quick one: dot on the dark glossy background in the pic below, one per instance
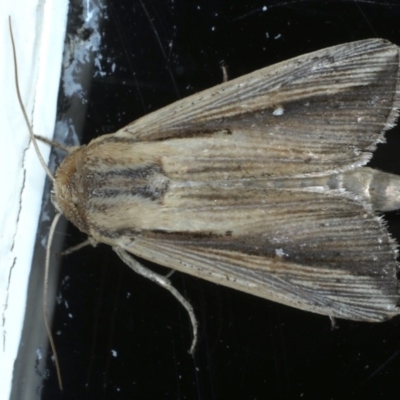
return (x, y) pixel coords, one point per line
(249, 348)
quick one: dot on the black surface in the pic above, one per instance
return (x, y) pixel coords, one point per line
(249, 348)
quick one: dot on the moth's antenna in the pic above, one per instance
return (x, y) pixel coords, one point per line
(45, 302)
(21, 104)
(56, 218)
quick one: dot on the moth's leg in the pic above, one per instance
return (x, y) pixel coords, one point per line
(88, 242)
(165, 283)
(54, 144)
(224, 71)
(170, 273)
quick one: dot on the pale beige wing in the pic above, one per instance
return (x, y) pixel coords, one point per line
(322, 253)
(321, 111)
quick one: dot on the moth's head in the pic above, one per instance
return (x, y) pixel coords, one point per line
(69, 194)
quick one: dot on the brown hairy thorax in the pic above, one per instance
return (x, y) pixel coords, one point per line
(70, 194)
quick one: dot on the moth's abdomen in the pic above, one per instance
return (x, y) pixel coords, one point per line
(380, 189)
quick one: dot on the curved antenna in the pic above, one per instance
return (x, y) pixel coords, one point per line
(45, 302)
(21, 104)
(55, 220)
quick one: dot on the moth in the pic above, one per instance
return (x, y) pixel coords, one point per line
(258, 184)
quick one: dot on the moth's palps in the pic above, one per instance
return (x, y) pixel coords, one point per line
(258, 183)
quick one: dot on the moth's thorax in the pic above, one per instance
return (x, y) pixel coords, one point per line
(101, 187)
(69, 188)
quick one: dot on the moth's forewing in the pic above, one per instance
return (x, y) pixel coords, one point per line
(319, 252)
(320, 111)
